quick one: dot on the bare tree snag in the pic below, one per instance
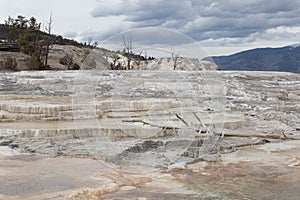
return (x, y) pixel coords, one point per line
(48, 29)
(181, 119)
(127, 42)
(175, 57)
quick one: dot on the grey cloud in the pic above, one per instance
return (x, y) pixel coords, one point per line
(100, 36)
(204, 19)
(140, 10)
(260, 6)
(147, 36)
(70, 35)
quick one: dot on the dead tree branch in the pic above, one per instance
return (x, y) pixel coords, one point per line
(48, 29)
(181, 119)
(175, 57)
(127, 42)
(148, 123)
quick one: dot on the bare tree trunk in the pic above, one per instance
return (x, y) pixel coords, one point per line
(175, 57)
(146, 60)
(90, 40)
(48, 29)
(128, 62)
(127, 41)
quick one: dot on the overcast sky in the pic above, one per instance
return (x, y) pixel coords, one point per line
(222, 27)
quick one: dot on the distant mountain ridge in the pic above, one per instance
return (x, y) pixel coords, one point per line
(284, 59)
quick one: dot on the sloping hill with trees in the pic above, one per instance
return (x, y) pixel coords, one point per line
(23, 46)
(286, 59)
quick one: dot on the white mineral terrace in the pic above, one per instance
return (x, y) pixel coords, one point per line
(104, 125)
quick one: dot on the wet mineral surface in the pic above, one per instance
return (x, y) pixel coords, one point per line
(149, 135)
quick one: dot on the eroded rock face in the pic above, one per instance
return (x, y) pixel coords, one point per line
(181, 63)
(67, 57)
(118, 61)
(56, 53)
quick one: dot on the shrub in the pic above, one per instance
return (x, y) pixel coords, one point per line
(76, 67)
(34, 63)
(67, 60)
(8, 62)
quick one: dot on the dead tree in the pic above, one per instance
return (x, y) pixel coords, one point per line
(127, 42)
(67, 60)
(146, 60)
(139, 59)
(48, 29)
(115, 65)
(175, 57)
(89, 41)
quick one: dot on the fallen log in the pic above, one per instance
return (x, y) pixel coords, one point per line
(148, 123)
(265, 136)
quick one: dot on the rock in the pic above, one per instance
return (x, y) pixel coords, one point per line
(6, 151)
(193, 64)
(147, 145)
(177, 165)
(95, 193)
(13, 145)
(29, 149)
(5, 142)
(127, 188)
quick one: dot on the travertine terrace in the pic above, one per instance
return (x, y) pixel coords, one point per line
(157, 120)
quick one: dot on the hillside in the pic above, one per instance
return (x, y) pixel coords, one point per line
(56, 39)
(101, 59)
(56, 54)
(285, 59)
(4, 31)
(67, 54)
